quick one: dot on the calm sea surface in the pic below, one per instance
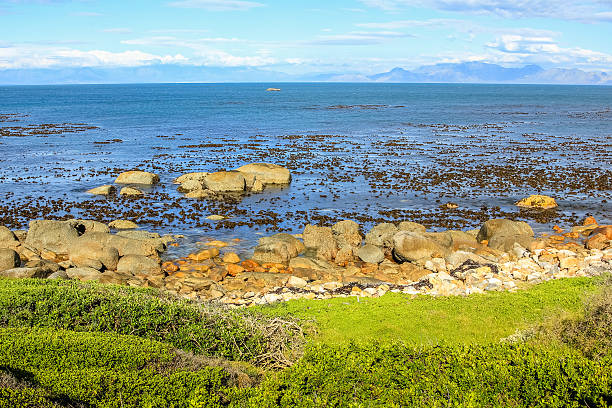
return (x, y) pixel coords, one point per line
(370, 152)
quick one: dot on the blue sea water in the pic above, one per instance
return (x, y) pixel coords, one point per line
(371, 152)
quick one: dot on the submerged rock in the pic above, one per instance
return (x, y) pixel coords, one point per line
(137, 177)
(103, 190)
(197, 177)
(267, 173)
(131, 192)
(123, 225)
(537, 201)
(225, 181)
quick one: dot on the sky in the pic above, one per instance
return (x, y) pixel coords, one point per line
(305, 36)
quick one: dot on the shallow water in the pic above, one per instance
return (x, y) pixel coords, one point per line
(369, 152)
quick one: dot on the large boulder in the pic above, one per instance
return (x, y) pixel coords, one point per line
(454, 240)
(191, 185)
(84, 226)
(138, 265)
(267, 173)
(279, 248)
(198, 177)
(371, 254)
(9, 259)
(137, 177)
(411, 226)
(503, 227)
(503, 234)
(346, 234)
(125, 246)
(91, 254)
(55, 236)
(7, 238)
(381, 235)
(24, 273)
(84, 274)
(321, 239)
(412, 246)
(600, 238)
(225, 181)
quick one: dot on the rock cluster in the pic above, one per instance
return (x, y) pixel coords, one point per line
(249, 178)
(83, 250)
(133, 182)
(322, 262)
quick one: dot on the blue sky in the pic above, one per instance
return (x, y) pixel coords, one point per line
(294, 36)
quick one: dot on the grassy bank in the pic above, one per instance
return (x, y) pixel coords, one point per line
(64, 344)
(424, 320)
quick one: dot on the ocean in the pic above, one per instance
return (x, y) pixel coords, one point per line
(368, 152)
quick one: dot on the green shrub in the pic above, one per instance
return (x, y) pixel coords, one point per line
(466, 376)
(591, 333)
(202, 329)
(103, 370)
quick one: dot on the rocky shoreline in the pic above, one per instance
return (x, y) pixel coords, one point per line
(321, 263)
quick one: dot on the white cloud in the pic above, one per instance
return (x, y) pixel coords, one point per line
(434, 23)
(217, 5)
(171, 41)
(546, 50)
(204, 54)
(49, 57)
(589, 11)
(358, 38)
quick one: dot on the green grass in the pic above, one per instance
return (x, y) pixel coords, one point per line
(425, 320)
(65, 344)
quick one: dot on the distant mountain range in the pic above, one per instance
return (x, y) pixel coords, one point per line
(468, 72)
(480, 72)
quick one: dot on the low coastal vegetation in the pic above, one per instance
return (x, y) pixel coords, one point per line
(69, 344)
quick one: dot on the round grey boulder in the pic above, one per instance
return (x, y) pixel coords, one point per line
(371, 254)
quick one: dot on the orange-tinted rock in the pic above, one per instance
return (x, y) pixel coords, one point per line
(170, 267)
(600, 238)
(270, 265)
(369, 268)
(537, 201)
(204, 254)
(233, 269)
(589, 221)
(231, 257)
(249, 265)
(557, 229)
